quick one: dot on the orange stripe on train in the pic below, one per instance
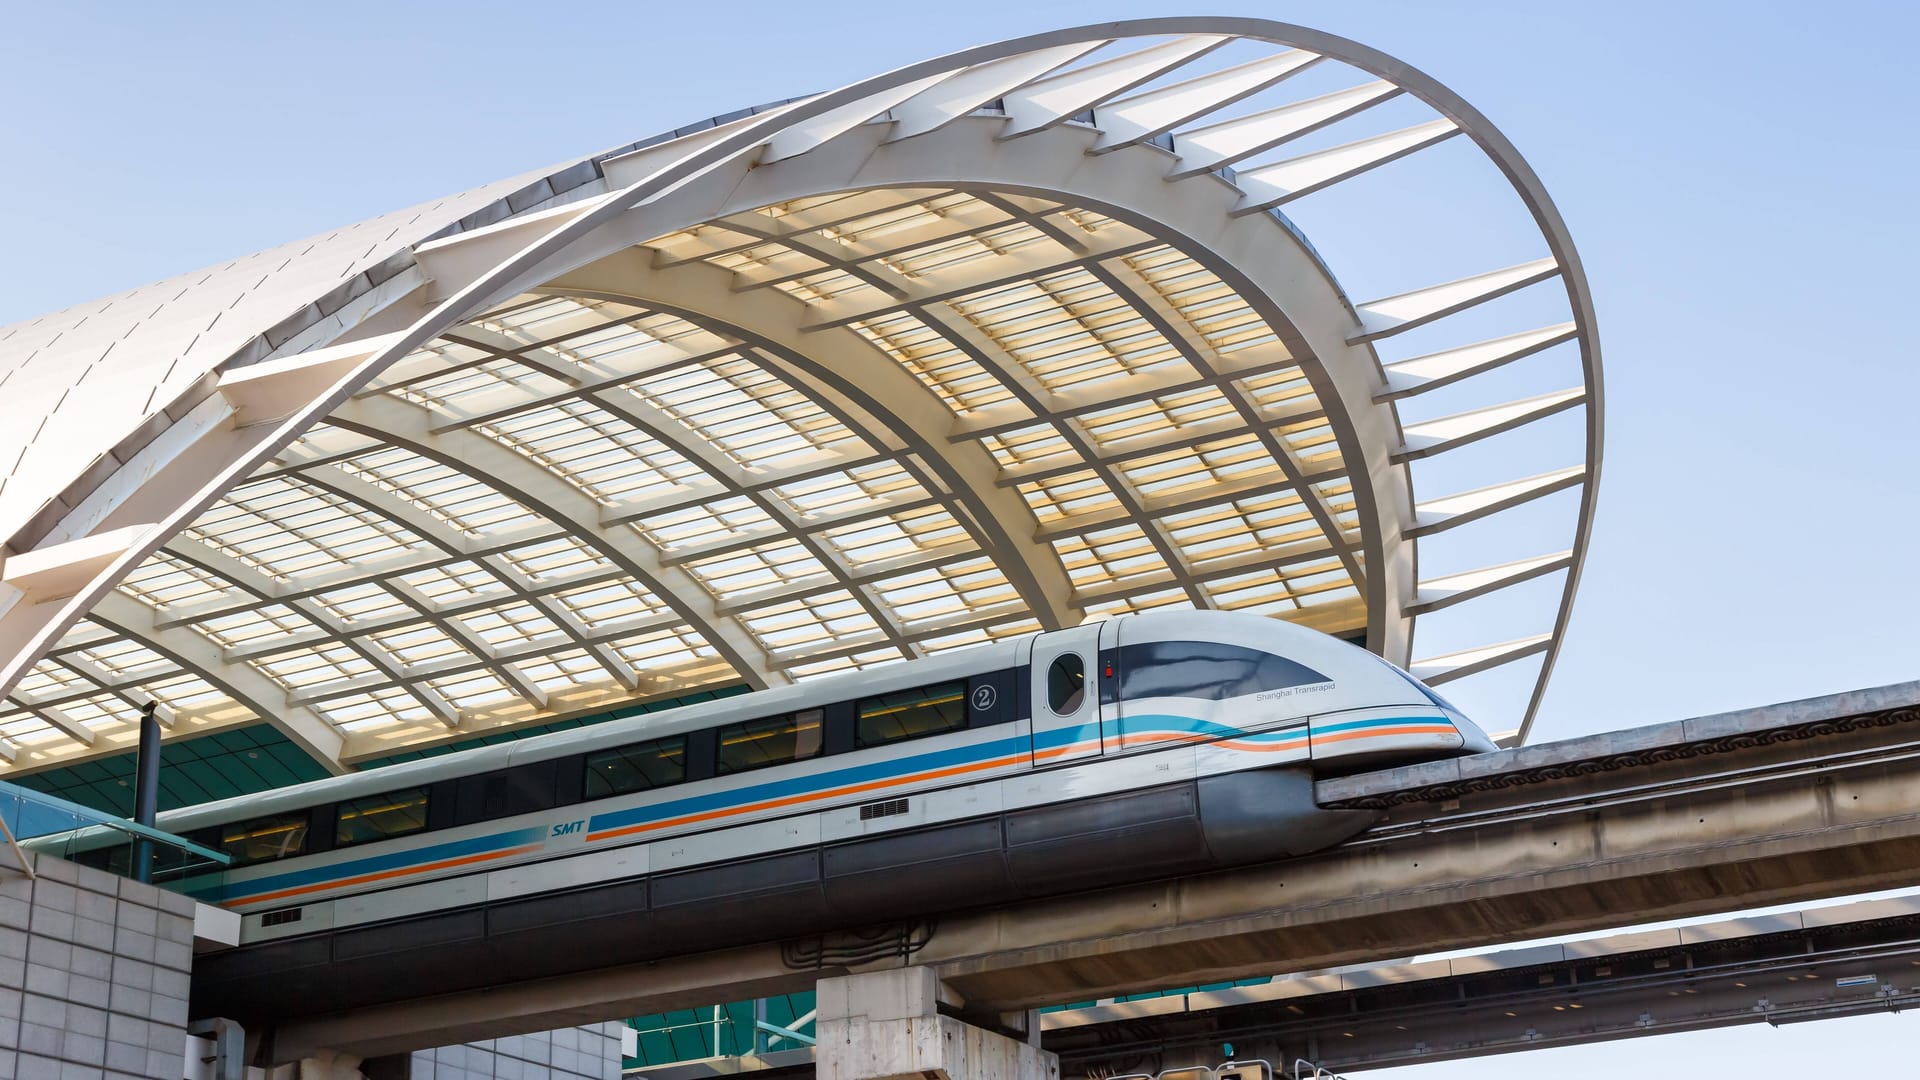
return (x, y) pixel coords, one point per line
(387, 875)
(1405, 729)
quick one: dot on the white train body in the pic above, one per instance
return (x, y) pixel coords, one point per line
(1123, 750)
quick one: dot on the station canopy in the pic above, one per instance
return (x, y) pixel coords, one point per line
(1036, 333)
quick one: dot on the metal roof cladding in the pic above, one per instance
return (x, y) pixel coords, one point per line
(988, 344)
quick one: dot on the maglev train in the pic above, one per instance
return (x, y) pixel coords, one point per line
(1140, 747)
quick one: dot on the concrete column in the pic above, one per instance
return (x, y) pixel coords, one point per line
(327, 1065)
(887, 1024)
(93, 974)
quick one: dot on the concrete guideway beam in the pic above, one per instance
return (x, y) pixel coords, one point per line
(1701, 832)
(545, 1004)
(1781, 968)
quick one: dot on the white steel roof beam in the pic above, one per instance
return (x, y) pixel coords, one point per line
(440, 534)
(466, 663)
(123, 687)
(1317, 549)
(241, 576)
(534, 357)
(570, 624)
(512, 400)
(528, 483)
(1042, 104)
(1009, 268)
(1138, 118)
(813, 221)
(1441, 593)
(66, 725)
(970, 88)
(1145, 299)
(877, 511)
(1397, 314)
(749, 602)
(865, 379)
(1004, 417)
(1205, 149)
(365, 572)
(849, 252)
(807, 134)
(1444, 669)
(427, 363)
(361, 572)
(1430, 437)
(988, 354)
(732, 477)
(1167, 505)
(1268, 186)
(628, 511)
(241, 682)
(1406, 378)
(293, 641)
(1438, 515)
(958, 622)
(813, 246)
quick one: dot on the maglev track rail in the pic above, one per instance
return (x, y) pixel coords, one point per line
(1795, 766)
(1567, 766)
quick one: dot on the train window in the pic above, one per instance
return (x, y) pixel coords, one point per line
(1209, 670)
(262, 839)
(378, 817)
(756, 744)
(910, 714)
(636, 767)
(522, 789)
(1066, 684)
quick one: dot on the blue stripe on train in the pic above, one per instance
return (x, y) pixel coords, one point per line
(1353, 725)
(373, 864)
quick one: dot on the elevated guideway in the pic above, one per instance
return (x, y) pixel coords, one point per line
(1781, 804)
(1784, 968)
(1776, 968)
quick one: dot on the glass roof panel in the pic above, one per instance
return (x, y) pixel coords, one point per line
(859, 489)
(1068, 329)
(394, 594)
(796, 629)
(962, 382)
(918, 532)
(612, 604)
(698, 527)
(1104, 558)
(746, 577)
(587, 446)
(746, 412)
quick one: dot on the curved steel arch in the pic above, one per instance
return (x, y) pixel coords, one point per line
(786, 133)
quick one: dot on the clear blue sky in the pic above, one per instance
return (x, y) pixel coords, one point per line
(1739, 178)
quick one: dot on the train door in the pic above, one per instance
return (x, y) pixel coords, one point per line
(1064, 689)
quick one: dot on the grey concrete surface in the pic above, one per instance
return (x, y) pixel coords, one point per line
(94, 972)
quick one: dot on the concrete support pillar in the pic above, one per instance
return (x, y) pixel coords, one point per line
(328, 1065)
(887, 1024)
